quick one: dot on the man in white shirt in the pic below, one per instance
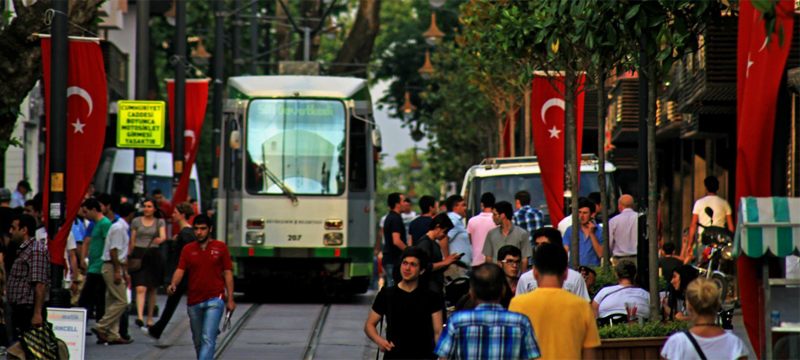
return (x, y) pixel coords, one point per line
(478, 226)
(574, 282)
(624, 231)
(115, 254)
(721, 211)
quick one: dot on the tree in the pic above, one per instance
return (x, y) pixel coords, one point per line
(548, 35)
(399, 179)
(20, 60)
(665, 30)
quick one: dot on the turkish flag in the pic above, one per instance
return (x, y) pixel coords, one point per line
(547, 118)
(760, 67)
(87, 106)
(196, 101)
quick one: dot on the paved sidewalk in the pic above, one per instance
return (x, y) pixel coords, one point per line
(142, 346)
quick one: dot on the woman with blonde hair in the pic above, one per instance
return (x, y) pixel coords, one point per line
(705, 339)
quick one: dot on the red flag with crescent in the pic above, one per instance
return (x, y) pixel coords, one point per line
(547, 118)
(86, 129)
(760, 67)
(196, 101)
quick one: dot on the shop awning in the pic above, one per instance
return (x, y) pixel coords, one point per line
(769, 223)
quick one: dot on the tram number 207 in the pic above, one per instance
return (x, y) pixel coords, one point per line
(294, 237)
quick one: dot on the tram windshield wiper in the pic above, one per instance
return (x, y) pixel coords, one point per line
(286, 191)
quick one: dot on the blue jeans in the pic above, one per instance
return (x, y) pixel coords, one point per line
(204, 318)
(388, 273)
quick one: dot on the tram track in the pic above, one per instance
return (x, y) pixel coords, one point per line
(316, 333)
(234, 330)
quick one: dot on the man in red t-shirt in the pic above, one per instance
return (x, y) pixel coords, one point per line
(210, 281)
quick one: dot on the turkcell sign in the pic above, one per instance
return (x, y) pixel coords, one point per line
(140, 124)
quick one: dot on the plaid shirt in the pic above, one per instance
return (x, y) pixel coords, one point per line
(488, 332)
(529, 219)
(31, 266)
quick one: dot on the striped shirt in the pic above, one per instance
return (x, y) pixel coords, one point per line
(488, 332)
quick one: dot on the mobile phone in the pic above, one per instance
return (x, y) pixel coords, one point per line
(460, 255)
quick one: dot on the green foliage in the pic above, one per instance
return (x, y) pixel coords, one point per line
(605, 277)
(648, 329)
(768, 10)
(451, 111)
(400, 178)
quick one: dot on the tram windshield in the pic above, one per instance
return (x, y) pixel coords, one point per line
(296, 145)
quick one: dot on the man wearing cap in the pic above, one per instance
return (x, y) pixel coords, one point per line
(20, 195)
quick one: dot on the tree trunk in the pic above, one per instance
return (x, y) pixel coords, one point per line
(501, 139)
(512, 129)
(283, 35)
(20, 57)
(571, 158)
(357, 49)
(526, 108)
(600, 79)
(652, 188)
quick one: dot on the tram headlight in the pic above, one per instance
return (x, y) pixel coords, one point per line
(254, 238)
(333, 239)
(334, 224)
(255, 223)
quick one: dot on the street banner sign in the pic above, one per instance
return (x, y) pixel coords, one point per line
(69, 325)
(140, 124)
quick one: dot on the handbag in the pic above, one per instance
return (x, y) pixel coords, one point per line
(135, 260)
(42, 343)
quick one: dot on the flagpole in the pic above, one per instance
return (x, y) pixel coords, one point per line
(180, 96)
(219, 67)
(58, 133)
(142, 58)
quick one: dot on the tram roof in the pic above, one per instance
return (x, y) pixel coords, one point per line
(293, 85)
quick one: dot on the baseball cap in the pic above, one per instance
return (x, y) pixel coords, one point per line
(5, 194)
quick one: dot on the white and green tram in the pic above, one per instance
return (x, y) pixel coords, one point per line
(297, 182)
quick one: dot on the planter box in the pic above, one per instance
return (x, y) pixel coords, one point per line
(630, 348)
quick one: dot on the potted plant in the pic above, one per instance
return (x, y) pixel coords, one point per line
(636, 341)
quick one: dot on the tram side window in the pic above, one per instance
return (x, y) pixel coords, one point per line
(358, 155)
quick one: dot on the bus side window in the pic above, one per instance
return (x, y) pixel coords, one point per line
(358, 155)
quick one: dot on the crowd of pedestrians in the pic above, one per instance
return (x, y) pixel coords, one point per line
(523, 300)
(113, 249)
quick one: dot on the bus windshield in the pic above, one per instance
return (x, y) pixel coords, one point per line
(296, 145)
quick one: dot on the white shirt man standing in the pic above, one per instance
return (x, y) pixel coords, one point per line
(623, 230)
(115, 275)
(722, 215)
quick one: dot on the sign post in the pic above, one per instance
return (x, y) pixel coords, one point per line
(140, 124)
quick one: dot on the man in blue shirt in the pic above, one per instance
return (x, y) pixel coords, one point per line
(590, 236)
(526, 216)
(488, 331)
(458, 237)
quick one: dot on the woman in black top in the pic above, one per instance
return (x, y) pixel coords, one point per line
(675, 308)
(182, 212)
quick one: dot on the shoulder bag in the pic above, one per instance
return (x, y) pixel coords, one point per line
(135, 260)
(695, 344)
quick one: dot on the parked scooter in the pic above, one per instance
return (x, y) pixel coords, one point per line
(717, 264)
